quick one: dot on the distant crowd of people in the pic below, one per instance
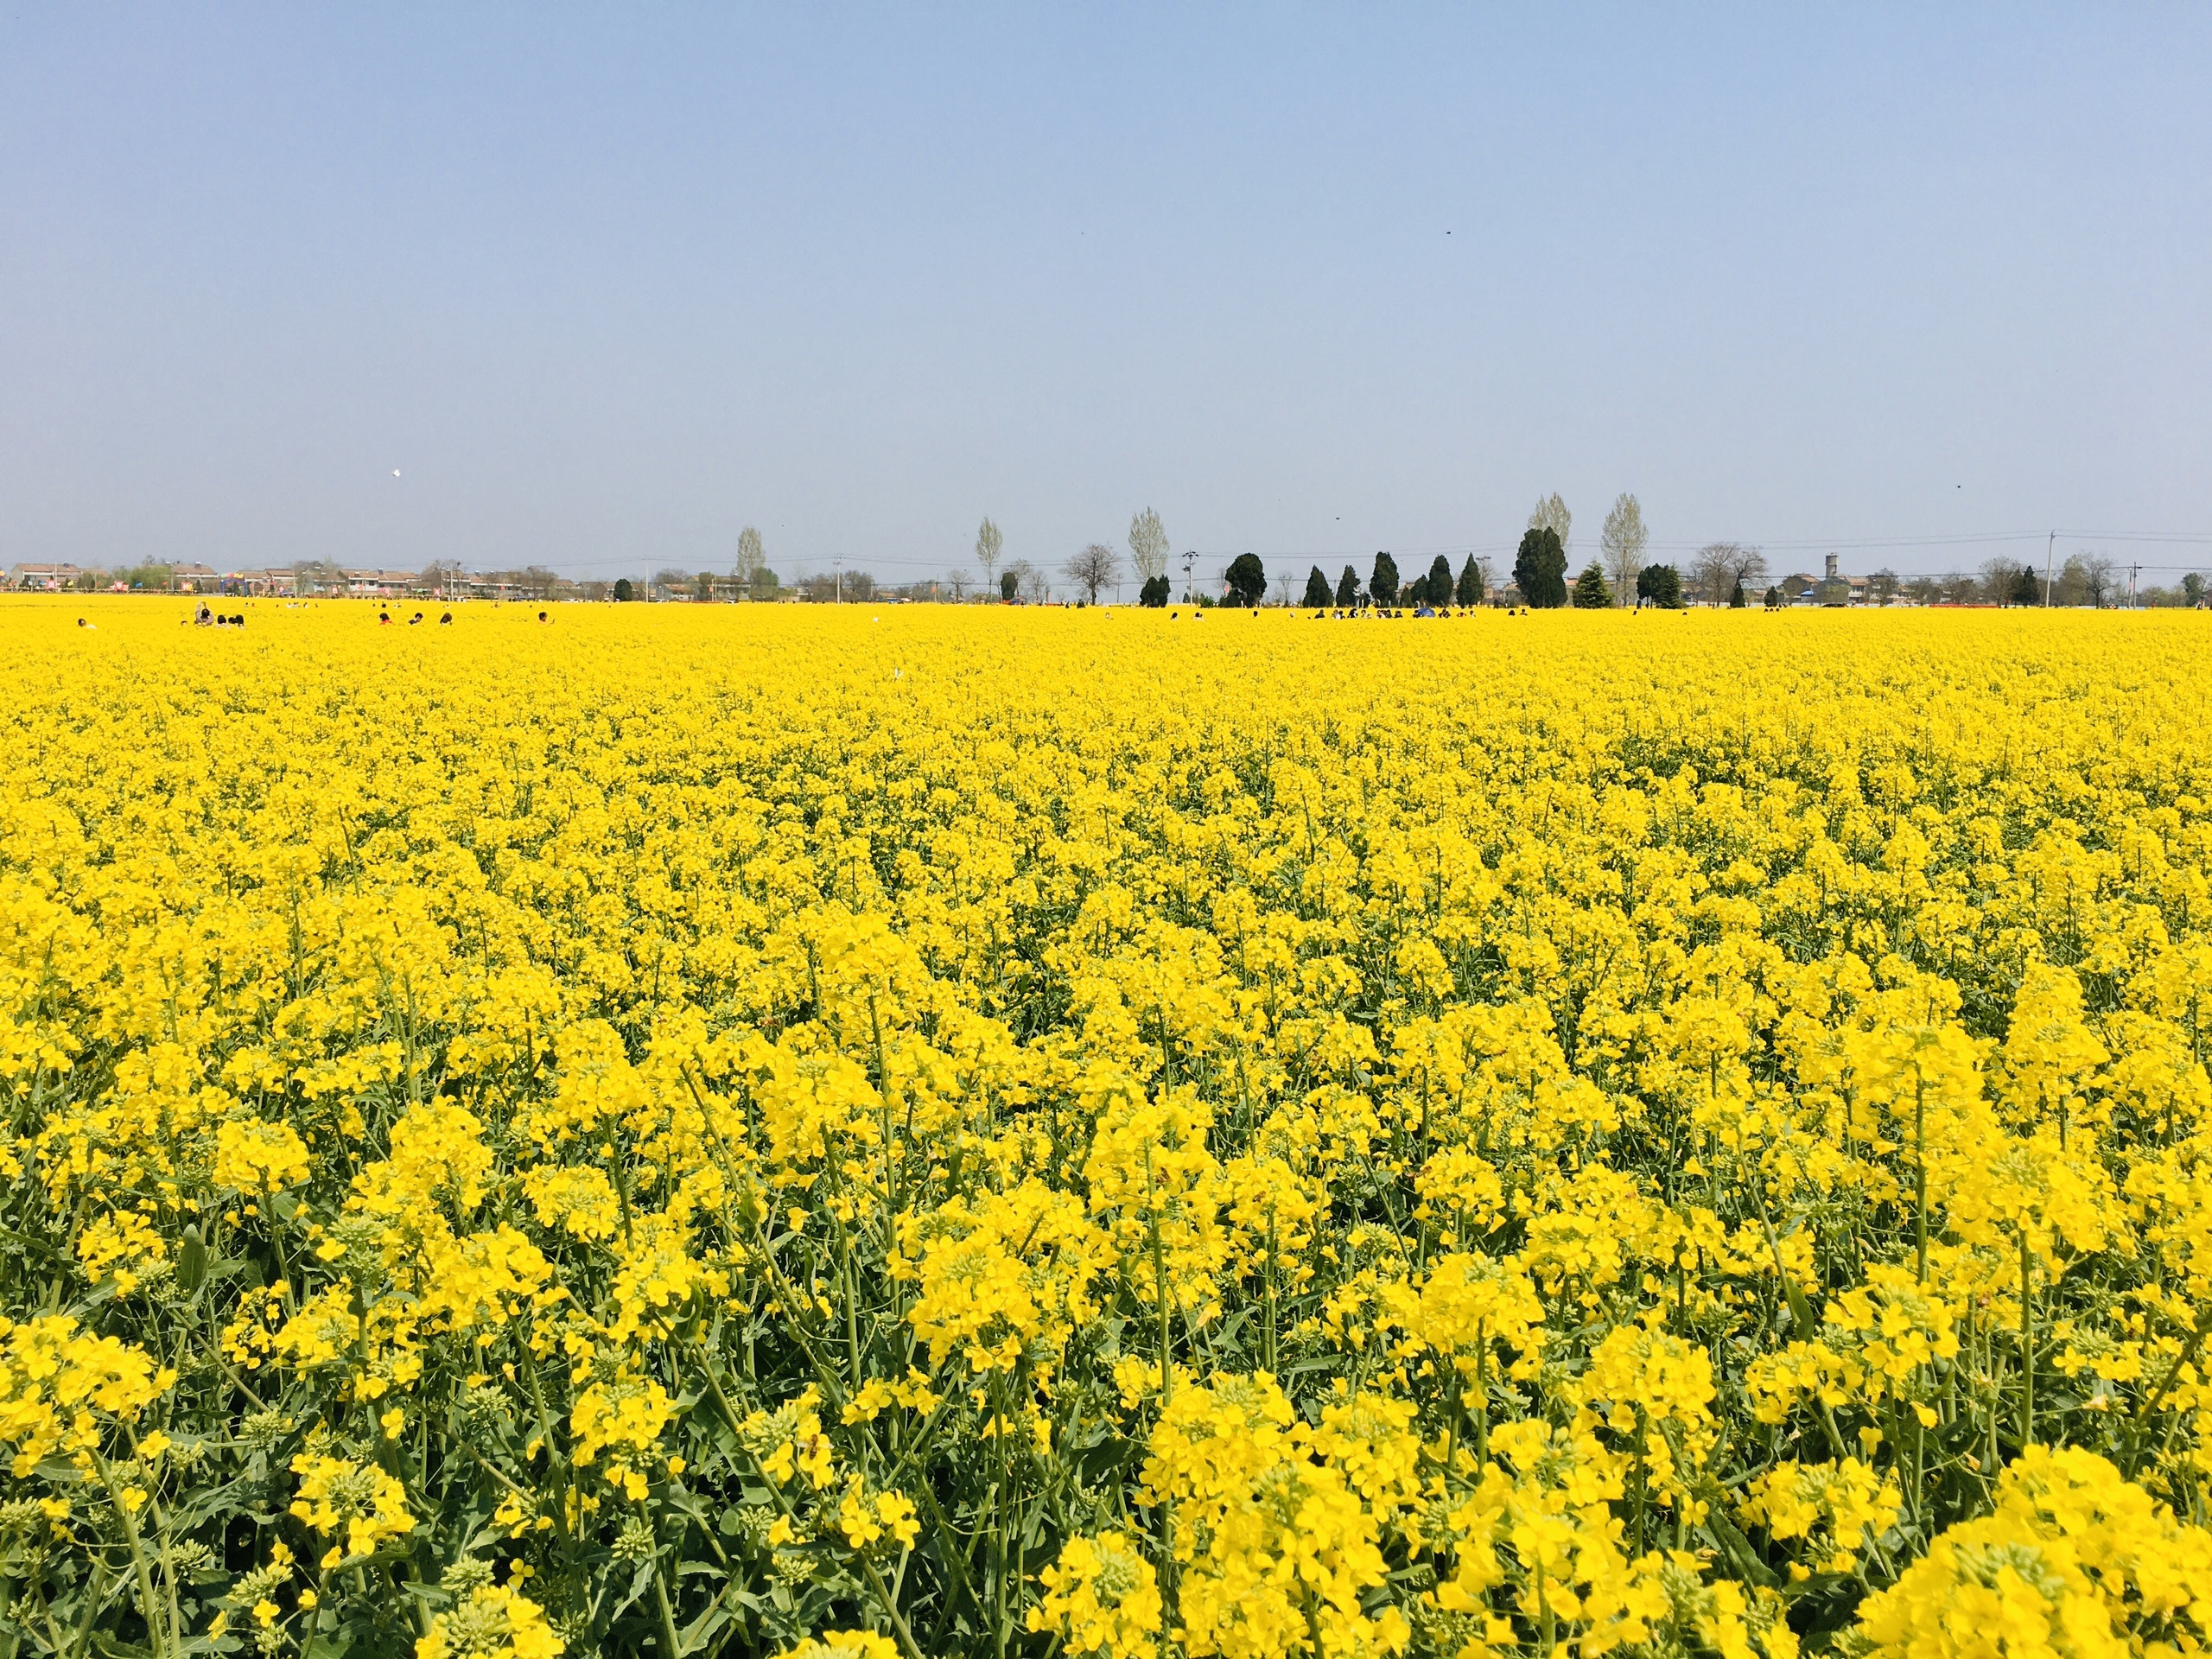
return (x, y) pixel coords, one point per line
(1396, 613)
(205, 616)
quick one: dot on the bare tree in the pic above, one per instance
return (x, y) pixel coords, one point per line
(1720, 566)
(987, 543)
(318, 576)
(752, 559)
(439, 575)
(956, 582)
(1093, 568)
(1036, 585)
(1623, 540)
(2097, 574)
(1883, 586)
(1551, 513)
(2000, 580)
(1148, 544)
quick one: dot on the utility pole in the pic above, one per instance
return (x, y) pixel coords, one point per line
(2133, 571)
(837, 567)
(1189, 559)
(2049, 554)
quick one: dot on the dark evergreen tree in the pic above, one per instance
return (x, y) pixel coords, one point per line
(1248, 580)
(1774, 598)
(624, 593)
(1660, 585)
(1348, 589)
(1317, 590)
(1469, 591)
(2027, 588)
(1591, 592)
(1153, 593)
(1384, 584)
(1540, 567)
(1009, 585)
(1736, 595)
(1439, 590)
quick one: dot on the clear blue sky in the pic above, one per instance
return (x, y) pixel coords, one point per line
(607, 283)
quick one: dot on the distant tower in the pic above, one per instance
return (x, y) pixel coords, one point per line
(1831, 567)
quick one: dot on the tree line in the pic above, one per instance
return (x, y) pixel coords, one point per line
(1730, 574)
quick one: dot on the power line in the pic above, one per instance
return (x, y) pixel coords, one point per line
(2132, 536)
(1867, 544)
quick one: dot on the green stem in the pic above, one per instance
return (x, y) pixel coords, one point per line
(155, 1639)
(906, 1636)
(1272, 1366)
(2188, 1350)
(1920, 1165)
(1167, 1393)
(2027, 1350)
(999, 1517)
(667, 1613)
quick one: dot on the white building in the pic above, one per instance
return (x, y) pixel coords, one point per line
(43, 578)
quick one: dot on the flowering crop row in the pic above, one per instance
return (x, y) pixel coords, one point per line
(886, 1135)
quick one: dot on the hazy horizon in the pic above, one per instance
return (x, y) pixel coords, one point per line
(603, 288)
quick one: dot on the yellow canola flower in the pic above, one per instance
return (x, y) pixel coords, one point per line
(253, 1156)
(58, 1383)
(844, 1644)
(864, 1519)
(1103, 1596)
(2074, 1561)
(1849, 1500)
(625, 1417)
(1279, 1527)
(120, 1242)
(496, 1622)
(1008, 1274)
(360, 1504)
(789, 1441)
(1420, 1115)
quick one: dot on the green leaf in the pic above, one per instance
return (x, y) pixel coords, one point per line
(1808, 1327)
(191, 1259)
(1733, 1543)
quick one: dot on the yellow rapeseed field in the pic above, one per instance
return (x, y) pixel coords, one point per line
(896, 1132)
